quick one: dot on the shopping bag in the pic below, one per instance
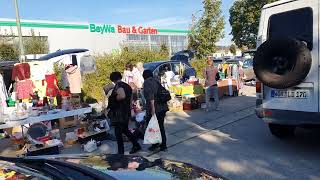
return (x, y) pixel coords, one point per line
(90, 146)
(152, 134)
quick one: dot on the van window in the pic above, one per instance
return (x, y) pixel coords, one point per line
(296, 24)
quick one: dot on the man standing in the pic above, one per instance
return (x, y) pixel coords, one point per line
(120, 112)
(150, 89)
(211, 87)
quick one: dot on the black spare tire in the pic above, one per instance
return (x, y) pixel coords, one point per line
(282, 63)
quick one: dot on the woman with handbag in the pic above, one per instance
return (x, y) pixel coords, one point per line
(211, 75)
(154, 107)
(120, 112)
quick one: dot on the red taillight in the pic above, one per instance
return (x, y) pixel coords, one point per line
(267, 113)
(258, 87)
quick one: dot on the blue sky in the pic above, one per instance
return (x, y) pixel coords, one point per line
(174, 14)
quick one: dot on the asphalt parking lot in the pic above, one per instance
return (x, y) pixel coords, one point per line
(236, 144)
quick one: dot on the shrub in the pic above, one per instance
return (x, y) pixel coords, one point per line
(35, 44)
(8, 52)
(107, 63)
(199, 66)
(57, 68)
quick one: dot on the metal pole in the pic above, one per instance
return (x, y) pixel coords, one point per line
(149, 42)
(169, 44)
(22, 58)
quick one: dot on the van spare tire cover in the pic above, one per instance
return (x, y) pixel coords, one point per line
(282, 63)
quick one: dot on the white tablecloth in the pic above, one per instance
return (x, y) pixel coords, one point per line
(47, 117)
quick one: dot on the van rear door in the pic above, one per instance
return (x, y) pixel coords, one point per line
(299, 20)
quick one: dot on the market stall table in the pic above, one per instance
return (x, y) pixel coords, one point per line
(187, 89)
(227, 87)
(46, 117)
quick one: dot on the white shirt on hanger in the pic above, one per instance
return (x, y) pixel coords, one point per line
(38, 69)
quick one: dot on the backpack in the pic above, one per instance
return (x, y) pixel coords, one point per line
(163, 95)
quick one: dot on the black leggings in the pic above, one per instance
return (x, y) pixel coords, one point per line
(122, 128)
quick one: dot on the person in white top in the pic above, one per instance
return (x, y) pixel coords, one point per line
(127, 74)
(138, 80)
(137, 75)
(3, 93)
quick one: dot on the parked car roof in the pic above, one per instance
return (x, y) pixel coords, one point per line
(153, 65)
(233, 61)
(185, 55)
(62, 52)
(7, 64)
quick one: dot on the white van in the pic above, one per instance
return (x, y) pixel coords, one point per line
(286, 65)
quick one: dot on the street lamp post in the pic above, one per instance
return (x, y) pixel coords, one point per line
(22, 58)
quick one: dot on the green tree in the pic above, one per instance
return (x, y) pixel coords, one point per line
(8, 52)
(208, 30)
(244, 20)
(108, 63)
(164, 50)
(233, 49)
(36, 44)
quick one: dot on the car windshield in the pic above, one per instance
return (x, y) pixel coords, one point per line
(248, 63)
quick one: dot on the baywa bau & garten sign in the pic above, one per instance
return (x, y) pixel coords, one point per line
(107, 28)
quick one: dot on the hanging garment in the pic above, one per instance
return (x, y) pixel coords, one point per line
(229, 71)
(40, 87)
(137, 78)
(74, 79)
(21, 72)
(38, 70)
(225, 68)
(74, 60)
(52, 87)
(3, 92)
(24, 89)
(87, 64)
(235, 72)
(169, 75)
(64, 79)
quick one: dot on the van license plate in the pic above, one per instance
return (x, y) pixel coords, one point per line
(296, 94)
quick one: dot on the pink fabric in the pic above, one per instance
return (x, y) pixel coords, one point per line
(209, 74)
(25, 89)
(74, 79)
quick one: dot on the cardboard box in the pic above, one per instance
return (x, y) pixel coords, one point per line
(190, 106)
(175, 105)
(224, 87)
(53, 150)
(201, 98)
(97, 136)
(68, 122)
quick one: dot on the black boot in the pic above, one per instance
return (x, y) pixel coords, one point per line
(135, 149)
(153, 147)
(163, 148)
